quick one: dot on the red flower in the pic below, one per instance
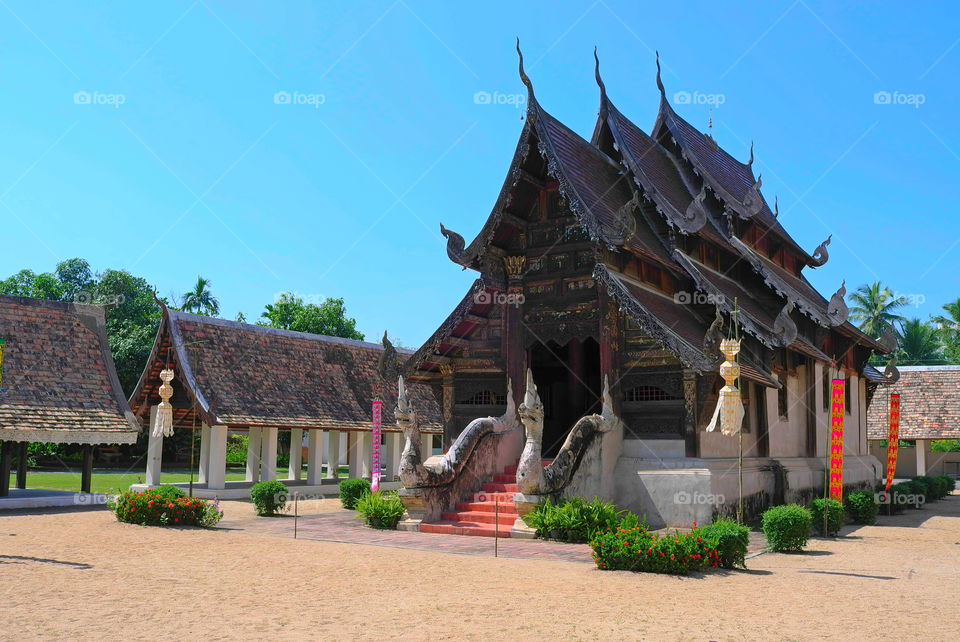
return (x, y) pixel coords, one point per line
(694, 524)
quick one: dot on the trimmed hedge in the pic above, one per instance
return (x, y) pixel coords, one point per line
(862, 507)
(787, 528)
(382, 509)
(575, 520)
(269, 497)
(164, 507)
(352, 490)
(835, 516)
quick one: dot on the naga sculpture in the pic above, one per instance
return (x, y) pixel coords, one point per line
(783, 325)
(820, 255)
(837, 310)
(532, 477)
(695, 216)
(455, 245)
(413, 472)
(891, 374)
(752, 200)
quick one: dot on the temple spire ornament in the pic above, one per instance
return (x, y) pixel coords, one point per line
(750, 162)
(596, 73)
(663, 92)
(164, 425)
(776, 206)
(820, 255)
(523, 75)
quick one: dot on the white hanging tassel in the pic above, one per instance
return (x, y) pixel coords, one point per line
(164, 427)
(728, 415)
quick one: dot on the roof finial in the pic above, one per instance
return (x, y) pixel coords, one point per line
(596, 73)
(663, 92)
(776, 205)
(523, 75)
(710, 122)
(750, 162)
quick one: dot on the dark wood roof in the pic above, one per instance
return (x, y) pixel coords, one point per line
(929, 404)
(248, 375)
(58, 380)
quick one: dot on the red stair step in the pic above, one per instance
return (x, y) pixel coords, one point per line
(448, 527)
(487, 507)
(481, 517)
(499, 487)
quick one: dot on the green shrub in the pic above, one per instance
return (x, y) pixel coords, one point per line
(905, 495)
(575, 520)
(351, 490)
(168, 492)
(164, 508)
(862, 507)
(835, 516)
(382, 509)
(637, 549)
(787, 528)
(925, 486)
(729, 539)
(948, 482)
(269, 497)
(945, 446)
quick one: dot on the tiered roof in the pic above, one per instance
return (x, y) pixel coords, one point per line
(661, 197)
(58, 383)
(237, 374)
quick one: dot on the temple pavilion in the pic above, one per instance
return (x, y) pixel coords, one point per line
(622, 257)
(58, 385)
(237, 378)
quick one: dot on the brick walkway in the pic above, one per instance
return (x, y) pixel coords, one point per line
(343, 526)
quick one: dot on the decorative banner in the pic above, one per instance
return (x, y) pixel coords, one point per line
(728, 415)
(836, 439)
(1, 363)
(377, 424)
(893, 439)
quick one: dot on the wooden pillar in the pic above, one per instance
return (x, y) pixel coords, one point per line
(576, 383)
(512, 336)
(691, 443)
(810, 372)
(446, 371)
(22, 465)
(296, 453)
(154, 451)
(333, 454)
(217, 463)
(253, 454)
(6, 458)
(610, 346)
(314, 457)
(268, 454)
(86, 476)
(204, 453)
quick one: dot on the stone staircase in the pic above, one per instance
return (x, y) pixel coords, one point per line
(486, 513)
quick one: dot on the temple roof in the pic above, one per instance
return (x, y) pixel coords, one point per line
(929, 404)
(59, 384)
(248, 375)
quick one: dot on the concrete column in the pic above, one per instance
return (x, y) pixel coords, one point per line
(154, 451)
(314, 456)
(217, 463)
(296, 453)
(365, 445)
(333, 454)
(268, 454)
(253, 454)
(204, 453)
(388, 456)
(427, 446)
(353, 454)
(921, 448)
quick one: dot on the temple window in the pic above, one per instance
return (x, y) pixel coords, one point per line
(648, 393)
(486, 398)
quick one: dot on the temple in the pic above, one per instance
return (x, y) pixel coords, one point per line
(609, 270)
(223, 377)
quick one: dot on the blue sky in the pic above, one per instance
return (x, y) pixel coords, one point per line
(179, 161)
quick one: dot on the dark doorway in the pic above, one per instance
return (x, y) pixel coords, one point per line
(568, 381)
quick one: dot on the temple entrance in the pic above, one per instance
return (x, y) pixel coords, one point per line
(569, 383)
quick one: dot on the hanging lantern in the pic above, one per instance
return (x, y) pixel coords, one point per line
(728, 415)
(164, 426)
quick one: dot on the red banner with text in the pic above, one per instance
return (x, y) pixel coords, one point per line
(837, 406)
(893, 438)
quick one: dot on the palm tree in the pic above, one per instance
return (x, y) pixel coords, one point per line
(200, 300)
(919, 344)
(874, 308)
(950, 330)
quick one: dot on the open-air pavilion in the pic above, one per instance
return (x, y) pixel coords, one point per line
(231, 377)
(58, 385)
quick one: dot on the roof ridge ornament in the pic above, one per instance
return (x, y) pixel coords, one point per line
(603, 88)
(695, 216)
(663, 92)
(523, 75)
(455, 245)
(820, 255)
(891, 374)
(752, 200)
(776, 206)
(837, 310)
(750, 161)
(783, 325)
(889, 339)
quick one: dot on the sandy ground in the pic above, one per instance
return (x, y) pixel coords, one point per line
(84, 575)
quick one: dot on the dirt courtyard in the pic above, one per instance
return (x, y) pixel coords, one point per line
(84, 575)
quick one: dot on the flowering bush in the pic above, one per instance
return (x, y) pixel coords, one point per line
(729, 539)
(635, 548)
(787, 528)
(161, 508)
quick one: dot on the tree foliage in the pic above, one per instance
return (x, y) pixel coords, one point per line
(950, 331)
(874, 308)
(200, 300)
(919, 344)
(289, 312)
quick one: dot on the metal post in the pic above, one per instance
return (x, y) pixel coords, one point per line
(496, 525)
(296, 512)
